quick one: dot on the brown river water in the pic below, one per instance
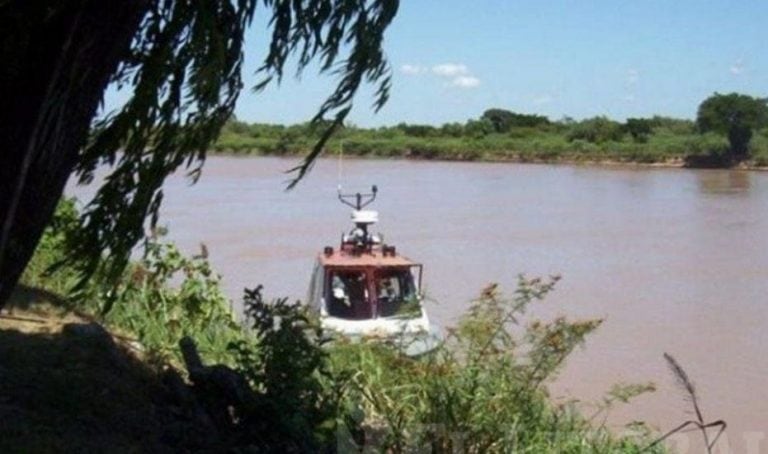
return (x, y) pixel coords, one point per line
(673, 260)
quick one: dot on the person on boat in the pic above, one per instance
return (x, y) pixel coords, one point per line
(349, 296)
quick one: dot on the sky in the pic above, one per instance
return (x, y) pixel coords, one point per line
(453, 59)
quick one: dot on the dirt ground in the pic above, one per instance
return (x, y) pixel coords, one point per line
(67, 385)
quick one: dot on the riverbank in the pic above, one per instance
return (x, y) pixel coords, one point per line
(511, 158)
(487, 386)
(669, 143)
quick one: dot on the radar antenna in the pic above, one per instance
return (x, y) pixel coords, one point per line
(361, 200)
(359, 238)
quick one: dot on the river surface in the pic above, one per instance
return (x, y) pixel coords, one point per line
(673, 260)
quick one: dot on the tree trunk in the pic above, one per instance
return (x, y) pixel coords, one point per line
(57, 59)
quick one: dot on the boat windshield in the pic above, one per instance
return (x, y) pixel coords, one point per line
(353, 294)
(396, 293)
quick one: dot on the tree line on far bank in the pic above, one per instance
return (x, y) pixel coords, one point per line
(729, 129)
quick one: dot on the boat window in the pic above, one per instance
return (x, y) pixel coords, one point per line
(396, 293)
(348, 295)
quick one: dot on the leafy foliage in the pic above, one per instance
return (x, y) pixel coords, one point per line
(166, 296)
(483, 391)
(53, 249)
(159, 299)
(297, 401)
(504, 120)
(670, 141)
(638, 128)
(736, 116)
(596, 130)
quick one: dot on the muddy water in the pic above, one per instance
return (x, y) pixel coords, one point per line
(673, 260)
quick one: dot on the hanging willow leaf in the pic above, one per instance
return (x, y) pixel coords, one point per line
(184, 68)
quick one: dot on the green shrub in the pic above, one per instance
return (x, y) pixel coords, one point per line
(41, 271)
(758, 148)
(672, 126)
(418, 130)
(669, 145)
(162, 297)
(596, 130)
(483, 391)
(638, 128)
(708, 150)
(296, 401)
(166, 296)
(584, 148)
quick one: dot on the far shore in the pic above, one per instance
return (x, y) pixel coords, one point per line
(510, 158)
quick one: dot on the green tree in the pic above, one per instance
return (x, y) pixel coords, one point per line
(736, 116)
(500, 119)
(503, 120)
(638, 128)
(452, 129)
(478, 128)
(182, 61)
(417, 130)
(596, 130)
(675, 126)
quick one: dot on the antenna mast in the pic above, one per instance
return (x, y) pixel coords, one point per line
(359, 236)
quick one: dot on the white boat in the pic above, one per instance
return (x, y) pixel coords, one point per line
(365, 289)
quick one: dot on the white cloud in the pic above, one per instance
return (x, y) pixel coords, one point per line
(455, 74)
(465, 82)
(412, 70)
(450, 69)
(633, 76)
(543, 99)
(629, 98)
(737, 68)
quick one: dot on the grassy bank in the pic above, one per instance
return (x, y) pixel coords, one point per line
(667, 141)
(485, 390)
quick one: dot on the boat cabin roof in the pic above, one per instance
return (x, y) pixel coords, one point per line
(374, 258)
